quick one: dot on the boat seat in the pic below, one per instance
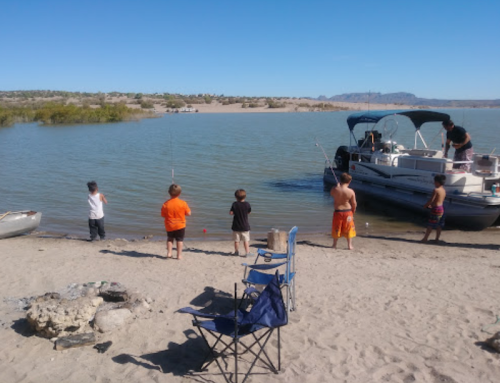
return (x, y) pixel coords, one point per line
(439, 165)
(424, 153)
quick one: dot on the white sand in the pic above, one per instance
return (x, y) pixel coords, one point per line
(392, 310)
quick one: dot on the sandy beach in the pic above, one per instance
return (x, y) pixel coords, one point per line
(290, 105)
(392, 310)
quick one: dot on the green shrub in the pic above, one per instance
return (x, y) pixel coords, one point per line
(175, 104)
(147, 104)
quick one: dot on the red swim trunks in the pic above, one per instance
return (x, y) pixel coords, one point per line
(343, 224)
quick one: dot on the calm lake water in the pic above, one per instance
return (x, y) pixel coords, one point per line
(272, 156)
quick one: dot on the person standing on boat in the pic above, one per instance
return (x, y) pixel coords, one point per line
(344, 202)
(461, 143)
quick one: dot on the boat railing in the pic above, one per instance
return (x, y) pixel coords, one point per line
(441, 165)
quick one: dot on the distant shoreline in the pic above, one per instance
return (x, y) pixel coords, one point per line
(185, 104)
(59, 107)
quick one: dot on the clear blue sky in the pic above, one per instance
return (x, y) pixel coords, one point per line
(432, 48)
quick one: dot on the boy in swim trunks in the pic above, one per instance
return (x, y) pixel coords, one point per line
(435, 203)
(344, 202)
(174, 211)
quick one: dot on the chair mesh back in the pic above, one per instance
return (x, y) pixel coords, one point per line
(269, 309)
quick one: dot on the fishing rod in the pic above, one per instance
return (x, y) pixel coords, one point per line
(327, 159)
(171, 153)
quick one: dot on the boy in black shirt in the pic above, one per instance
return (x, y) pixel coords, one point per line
(241, 228)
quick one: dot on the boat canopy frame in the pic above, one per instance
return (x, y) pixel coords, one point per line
(417, 117)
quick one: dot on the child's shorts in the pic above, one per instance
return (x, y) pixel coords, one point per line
(241, 236)
(343, 224)
(436, 217)
(178, 235)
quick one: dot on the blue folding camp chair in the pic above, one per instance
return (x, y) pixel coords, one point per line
(267, 314)
(254, 275)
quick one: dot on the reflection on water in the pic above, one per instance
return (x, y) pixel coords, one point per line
(272, 156)
(312, 183)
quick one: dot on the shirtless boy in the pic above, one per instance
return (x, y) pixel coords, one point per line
(435, 203)
(344, 202)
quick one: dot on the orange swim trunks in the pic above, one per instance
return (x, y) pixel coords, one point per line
(343, 224)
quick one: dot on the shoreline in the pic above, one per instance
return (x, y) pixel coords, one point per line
(361, 232)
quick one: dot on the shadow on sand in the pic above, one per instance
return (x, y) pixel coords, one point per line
(486, 347)
(479, 246)
(177, 359)
(309, 243)
(133, 254)
(212, 300)
(22, 327)
(200, 251)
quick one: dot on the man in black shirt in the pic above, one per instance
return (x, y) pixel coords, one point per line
(461, 143)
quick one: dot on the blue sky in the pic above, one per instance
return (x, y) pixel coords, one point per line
(434, 49)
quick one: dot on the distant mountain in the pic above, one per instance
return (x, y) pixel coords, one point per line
(404, 98)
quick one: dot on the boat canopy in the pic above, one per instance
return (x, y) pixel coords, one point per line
(418, 117)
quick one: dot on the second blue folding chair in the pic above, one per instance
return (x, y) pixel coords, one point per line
(255, 275)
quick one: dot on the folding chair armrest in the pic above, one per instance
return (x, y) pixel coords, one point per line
(196, 313)
(267, 255)
(265, 266)
(190, 310)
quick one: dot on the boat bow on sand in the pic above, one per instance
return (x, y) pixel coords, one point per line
(403, 176)
(19, 222)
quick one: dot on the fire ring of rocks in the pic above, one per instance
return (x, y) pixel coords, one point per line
(70, 318)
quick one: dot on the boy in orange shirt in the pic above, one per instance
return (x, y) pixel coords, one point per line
(174, 211)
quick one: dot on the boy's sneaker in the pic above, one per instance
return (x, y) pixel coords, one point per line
(235, 253)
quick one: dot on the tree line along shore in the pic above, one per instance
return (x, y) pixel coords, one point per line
(56, 113)
(60, 107)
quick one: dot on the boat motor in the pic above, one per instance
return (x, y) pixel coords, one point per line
(390, 147)
(342, 158)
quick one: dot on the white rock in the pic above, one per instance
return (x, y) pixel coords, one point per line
(107, 321)
(60, 317)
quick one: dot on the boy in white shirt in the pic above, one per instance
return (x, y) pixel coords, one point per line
(96, 213)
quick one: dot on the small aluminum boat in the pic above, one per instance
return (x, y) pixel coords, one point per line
(19, 222)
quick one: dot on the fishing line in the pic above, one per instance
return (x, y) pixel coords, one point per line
(171, 153)
(317, 144)
(431, 142)
(327, 159)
